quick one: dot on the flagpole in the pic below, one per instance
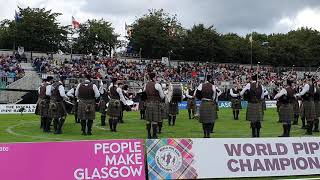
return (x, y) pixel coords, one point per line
(251, 50)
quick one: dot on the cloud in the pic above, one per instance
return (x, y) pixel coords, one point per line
(240, 16)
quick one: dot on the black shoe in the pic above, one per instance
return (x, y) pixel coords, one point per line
(89, 133)
(84, 133)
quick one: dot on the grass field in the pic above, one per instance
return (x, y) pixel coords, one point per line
(25, 128)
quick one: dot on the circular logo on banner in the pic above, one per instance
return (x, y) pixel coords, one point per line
(168, 159)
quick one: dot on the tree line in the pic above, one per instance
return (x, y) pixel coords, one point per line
(159, 34)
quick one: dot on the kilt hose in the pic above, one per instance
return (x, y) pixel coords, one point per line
(102, 107)
(207, 112)
(114, 109)
(236, 104)
(317, 108)
(296, 108)
(173, 109)
(254, 112)
(43, 107)
(286, 113)
(86, 109)
(142, 106)
(57, 109)
(308, 110)
(153, 112)
(191, 104)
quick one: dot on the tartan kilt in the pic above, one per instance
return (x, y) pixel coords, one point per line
(264, 105)
(57, 109)
(191, 104)
(114, 108)
(164, 110)
(74, 109)
(173, 108)
(207, 112)
(236, 104)
(86, 109)
(308, 110)
(42, 108)
(317, 108)
(286, 113)
(254, 112)
(102, 106)
(153, 111)
(142, 105)
(296, 108)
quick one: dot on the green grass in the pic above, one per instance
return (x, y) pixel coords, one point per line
(25, 128)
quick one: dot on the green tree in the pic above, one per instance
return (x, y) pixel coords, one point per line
(38, 30)
(96, 36)
(203, 44)
(156, 34)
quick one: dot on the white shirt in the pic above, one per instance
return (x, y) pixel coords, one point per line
(232, 94)
(248, 86)
(281, 93)
(187, 94)
(119, 91)
(158, 87)
(94, 87)
(213, 89)
(62, 92)
(305, 89)
(71, 92)
(122, 99)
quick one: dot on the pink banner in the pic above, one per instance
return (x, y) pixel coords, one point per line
(110, 159)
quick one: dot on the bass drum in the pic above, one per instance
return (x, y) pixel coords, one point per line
(175, 92)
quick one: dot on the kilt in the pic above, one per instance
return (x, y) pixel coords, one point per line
(114, 109)
(254, 112)
(207, 112)
(296, 108)
(102, 106)
(165, 110)
(86, 109)
(286, 113)
(173, 108)
(264, 105)
(317, 108)
(153, 111)
(142, 106)
(57, 109)
(191, 104)
(236, 104)
(308, 110)
(75, 107)
(43, 107)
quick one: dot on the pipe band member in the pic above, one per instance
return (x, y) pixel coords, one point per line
(153, 114)
(87, 93)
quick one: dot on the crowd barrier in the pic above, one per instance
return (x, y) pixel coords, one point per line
(165, 158)
(30, 108)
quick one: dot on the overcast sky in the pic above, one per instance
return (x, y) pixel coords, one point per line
(240, 16)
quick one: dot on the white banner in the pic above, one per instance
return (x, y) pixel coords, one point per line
(232, 157)
(271, 104)
(17, 108)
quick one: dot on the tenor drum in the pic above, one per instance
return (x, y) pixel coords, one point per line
(175, 92)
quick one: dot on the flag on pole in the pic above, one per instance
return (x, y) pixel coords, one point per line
(250, 38)
(75, 23)
(17, 16)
